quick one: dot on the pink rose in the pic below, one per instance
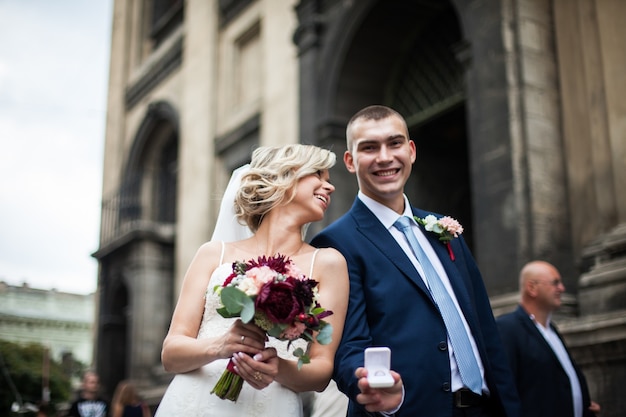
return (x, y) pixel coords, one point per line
(292, 270)
(293, 332)
(261, 275)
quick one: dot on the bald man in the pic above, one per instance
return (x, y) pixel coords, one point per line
(548, 381)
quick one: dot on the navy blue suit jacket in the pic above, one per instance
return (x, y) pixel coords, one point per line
(542, 383)
(391, 306)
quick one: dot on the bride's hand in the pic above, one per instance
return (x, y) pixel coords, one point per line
(241, 337)
(260, 370)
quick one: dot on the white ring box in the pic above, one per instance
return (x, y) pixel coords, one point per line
(378, 365)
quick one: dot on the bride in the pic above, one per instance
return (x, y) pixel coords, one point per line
(282, 191)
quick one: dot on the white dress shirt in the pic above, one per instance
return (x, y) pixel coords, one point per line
(559, 350)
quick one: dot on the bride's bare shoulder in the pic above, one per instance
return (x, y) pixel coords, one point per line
(329, 258)
(210, 248)
(209, 255)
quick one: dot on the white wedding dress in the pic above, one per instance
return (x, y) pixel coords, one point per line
(189, 394)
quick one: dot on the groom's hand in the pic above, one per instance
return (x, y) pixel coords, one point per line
(386, 400)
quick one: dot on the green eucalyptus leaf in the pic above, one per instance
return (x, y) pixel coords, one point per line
(325, 334)
(308, 337)
(223, 311)
(276, 330)
(317, 310)
(237, 303)
(247, 313)
(303, 357)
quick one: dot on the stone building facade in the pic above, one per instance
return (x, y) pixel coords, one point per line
(61, 321)
(515, 106)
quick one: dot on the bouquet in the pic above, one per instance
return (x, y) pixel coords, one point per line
(281, 300)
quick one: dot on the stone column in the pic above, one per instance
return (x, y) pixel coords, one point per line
(597, 338)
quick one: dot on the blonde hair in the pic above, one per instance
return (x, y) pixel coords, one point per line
(125, 394)
(272, 178)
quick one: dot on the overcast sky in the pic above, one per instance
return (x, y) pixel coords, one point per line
(54, 61)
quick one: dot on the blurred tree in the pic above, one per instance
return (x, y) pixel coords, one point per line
(21, 377)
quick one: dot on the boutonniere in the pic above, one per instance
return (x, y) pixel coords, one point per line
(446, 228)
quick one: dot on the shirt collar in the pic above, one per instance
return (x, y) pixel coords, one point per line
(548, 319)
(383, 213)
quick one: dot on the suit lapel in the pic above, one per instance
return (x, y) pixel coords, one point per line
(531, 327)
(373, 230)
(457, 280)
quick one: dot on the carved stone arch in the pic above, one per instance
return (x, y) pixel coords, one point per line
(429, 79)
(349, 57)
(340, 37)
(149, 181)
(158, 115)
(363, 51)
(427, 86)
(138, 262)
(355, 42)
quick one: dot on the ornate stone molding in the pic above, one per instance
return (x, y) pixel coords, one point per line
(156, 69)
(230, 9)
(603, 288)
(308, 33)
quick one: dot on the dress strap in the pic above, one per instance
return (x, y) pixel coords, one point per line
(222, 255)
(313, 263)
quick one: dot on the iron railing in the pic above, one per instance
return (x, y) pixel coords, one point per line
(131, 209)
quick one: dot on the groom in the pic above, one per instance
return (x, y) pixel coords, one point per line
(409, 291)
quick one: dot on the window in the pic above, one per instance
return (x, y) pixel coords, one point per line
(166, 16)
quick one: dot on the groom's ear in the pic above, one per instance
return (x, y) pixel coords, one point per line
(348, 160)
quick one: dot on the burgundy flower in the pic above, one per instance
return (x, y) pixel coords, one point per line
(285, 306)
(303, 290)
(324, 314)
(279, 302)
(229, 279)
(277, 263)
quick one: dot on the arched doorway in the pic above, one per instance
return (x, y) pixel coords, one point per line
(404, 55)
(353, 54)
(117, 332)
(139, 248)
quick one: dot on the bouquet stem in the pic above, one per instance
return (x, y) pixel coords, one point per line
(229, 385)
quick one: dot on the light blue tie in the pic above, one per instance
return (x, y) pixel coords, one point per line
(468, 367)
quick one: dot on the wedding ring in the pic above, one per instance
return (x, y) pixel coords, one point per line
(242, 339)
(257, 376)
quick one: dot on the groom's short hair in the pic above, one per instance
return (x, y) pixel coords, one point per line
(374, 112)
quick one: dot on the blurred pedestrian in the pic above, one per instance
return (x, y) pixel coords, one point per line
(89, 402)
(126, 402)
